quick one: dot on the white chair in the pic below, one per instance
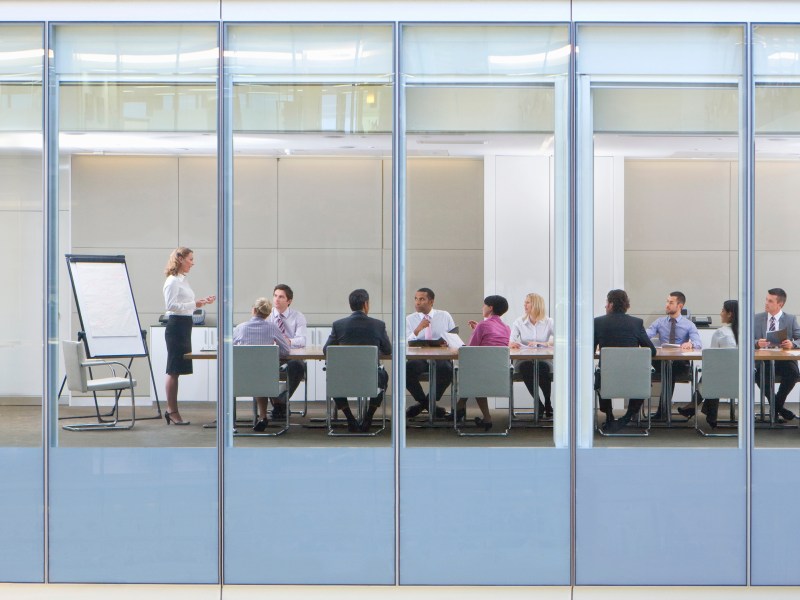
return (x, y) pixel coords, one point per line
(720, 380)
(352, 372)
(256, 372)
(483, 371)
(81, 381)
(625, 373)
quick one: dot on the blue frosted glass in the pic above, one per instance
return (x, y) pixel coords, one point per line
(21, 515)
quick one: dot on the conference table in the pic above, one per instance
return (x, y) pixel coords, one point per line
(666, 356)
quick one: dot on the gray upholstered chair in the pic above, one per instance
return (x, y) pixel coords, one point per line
(80, 380)
(483, 371)
(256, 373)
(352, 372)
(625, 373)
(720, 380)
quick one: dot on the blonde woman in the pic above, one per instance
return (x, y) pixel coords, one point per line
(180, 304)
(534, 329)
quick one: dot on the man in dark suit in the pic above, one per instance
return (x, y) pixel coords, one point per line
(360, 330)
(774, 319)
(618, 330)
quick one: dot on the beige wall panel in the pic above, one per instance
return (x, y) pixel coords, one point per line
(445, 204)
(777, 269)
(387, 203)
(255, 202)
(702, 276)
(677, 204)
(777, 210)
(386, 281)
(456, 276)
(330, 203)
(124, 202)
(323, 279)
(22, 183)
(197, 202)
(255, 274)
(733, 211)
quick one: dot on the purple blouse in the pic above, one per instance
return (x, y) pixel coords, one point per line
(491, 332)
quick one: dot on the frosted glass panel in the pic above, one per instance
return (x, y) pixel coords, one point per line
(21, 53)
(660, 50)
(117, 52)
(311, 52)
(776, 50)
(472, 54)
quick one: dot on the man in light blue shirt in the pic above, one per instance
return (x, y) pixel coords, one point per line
(674, 328)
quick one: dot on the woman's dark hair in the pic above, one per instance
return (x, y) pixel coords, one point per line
(498, 304)
(732, 307)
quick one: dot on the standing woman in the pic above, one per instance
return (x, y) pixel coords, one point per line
(534, 329)
(180, 302)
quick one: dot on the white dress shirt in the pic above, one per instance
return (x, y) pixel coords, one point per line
(178, 296)
(723, 337)
(294, 323)
(441, 323)
(524, 332)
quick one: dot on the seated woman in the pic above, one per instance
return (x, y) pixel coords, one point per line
(534, 329)
(489, 332)
(260, 332)
(726, 336)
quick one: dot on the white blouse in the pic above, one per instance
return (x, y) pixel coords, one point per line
(723, 337)
(525, 332)
(178, 296)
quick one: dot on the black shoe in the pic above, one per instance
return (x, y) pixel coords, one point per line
(621, 422)
(786, 414)
(440, 413)
(279, 412)
(657, 416)
(687, 411)
(481, 424)
(712, 424)
(414, 410)
(261, 425)
(548, 412)
(461, 415)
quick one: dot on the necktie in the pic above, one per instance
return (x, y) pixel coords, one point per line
(672, 323)
(428, 328)
(281, 323)
(772, 323)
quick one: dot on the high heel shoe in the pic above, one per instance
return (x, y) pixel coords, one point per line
(171, 420)
(480, 423)
(461, 415)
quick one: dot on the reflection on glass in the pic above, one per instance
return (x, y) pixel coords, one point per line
(21, 234)
(137, 119)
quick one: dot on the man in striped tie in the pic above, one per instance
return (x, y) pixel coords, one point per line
(773, 321)
(292, 325)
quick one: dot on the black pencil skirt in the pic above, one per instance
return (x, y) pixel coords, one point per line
(179, 342)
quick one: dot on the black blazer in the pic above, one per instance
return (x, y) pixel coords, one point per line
(619, 330)
(360, 330)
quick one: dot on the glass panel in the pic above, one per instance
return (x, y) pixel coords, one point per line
(658, 271)
(312, 208)
(21, 226)
(135, 112)
(777, 74)
(485, 180)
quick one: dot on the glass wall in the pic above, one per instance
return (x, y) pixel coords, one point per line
(776, 71)
(21, 240)
(311, 108)
(659, 119)
(485, 181)
(133, 116)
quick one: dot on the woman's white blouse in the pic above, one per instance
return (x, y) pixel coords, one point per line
(525, 332)
(178, 296)
(723, 338)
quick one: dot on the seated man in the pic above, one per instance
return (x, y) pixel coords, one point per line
(774, 319)
(360, 330)
(292, 325)
(674, 328)
(617, 330)
(427, 323)
(258, 331)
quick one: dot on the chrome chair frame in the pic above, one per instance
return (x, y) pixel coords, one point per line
(720, 380)
(256, 373)
(625, 373)
(483, 371)
(352, 372)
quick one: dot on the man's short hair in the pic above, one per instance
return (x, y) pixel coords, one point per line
(619, 301)
(498, 304)
(358, 298)
(679, 296)
(780, 293)
(286, 289)
(428, 291)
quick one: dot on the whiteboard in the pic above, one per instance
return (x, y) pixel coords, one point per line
(106, 308)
